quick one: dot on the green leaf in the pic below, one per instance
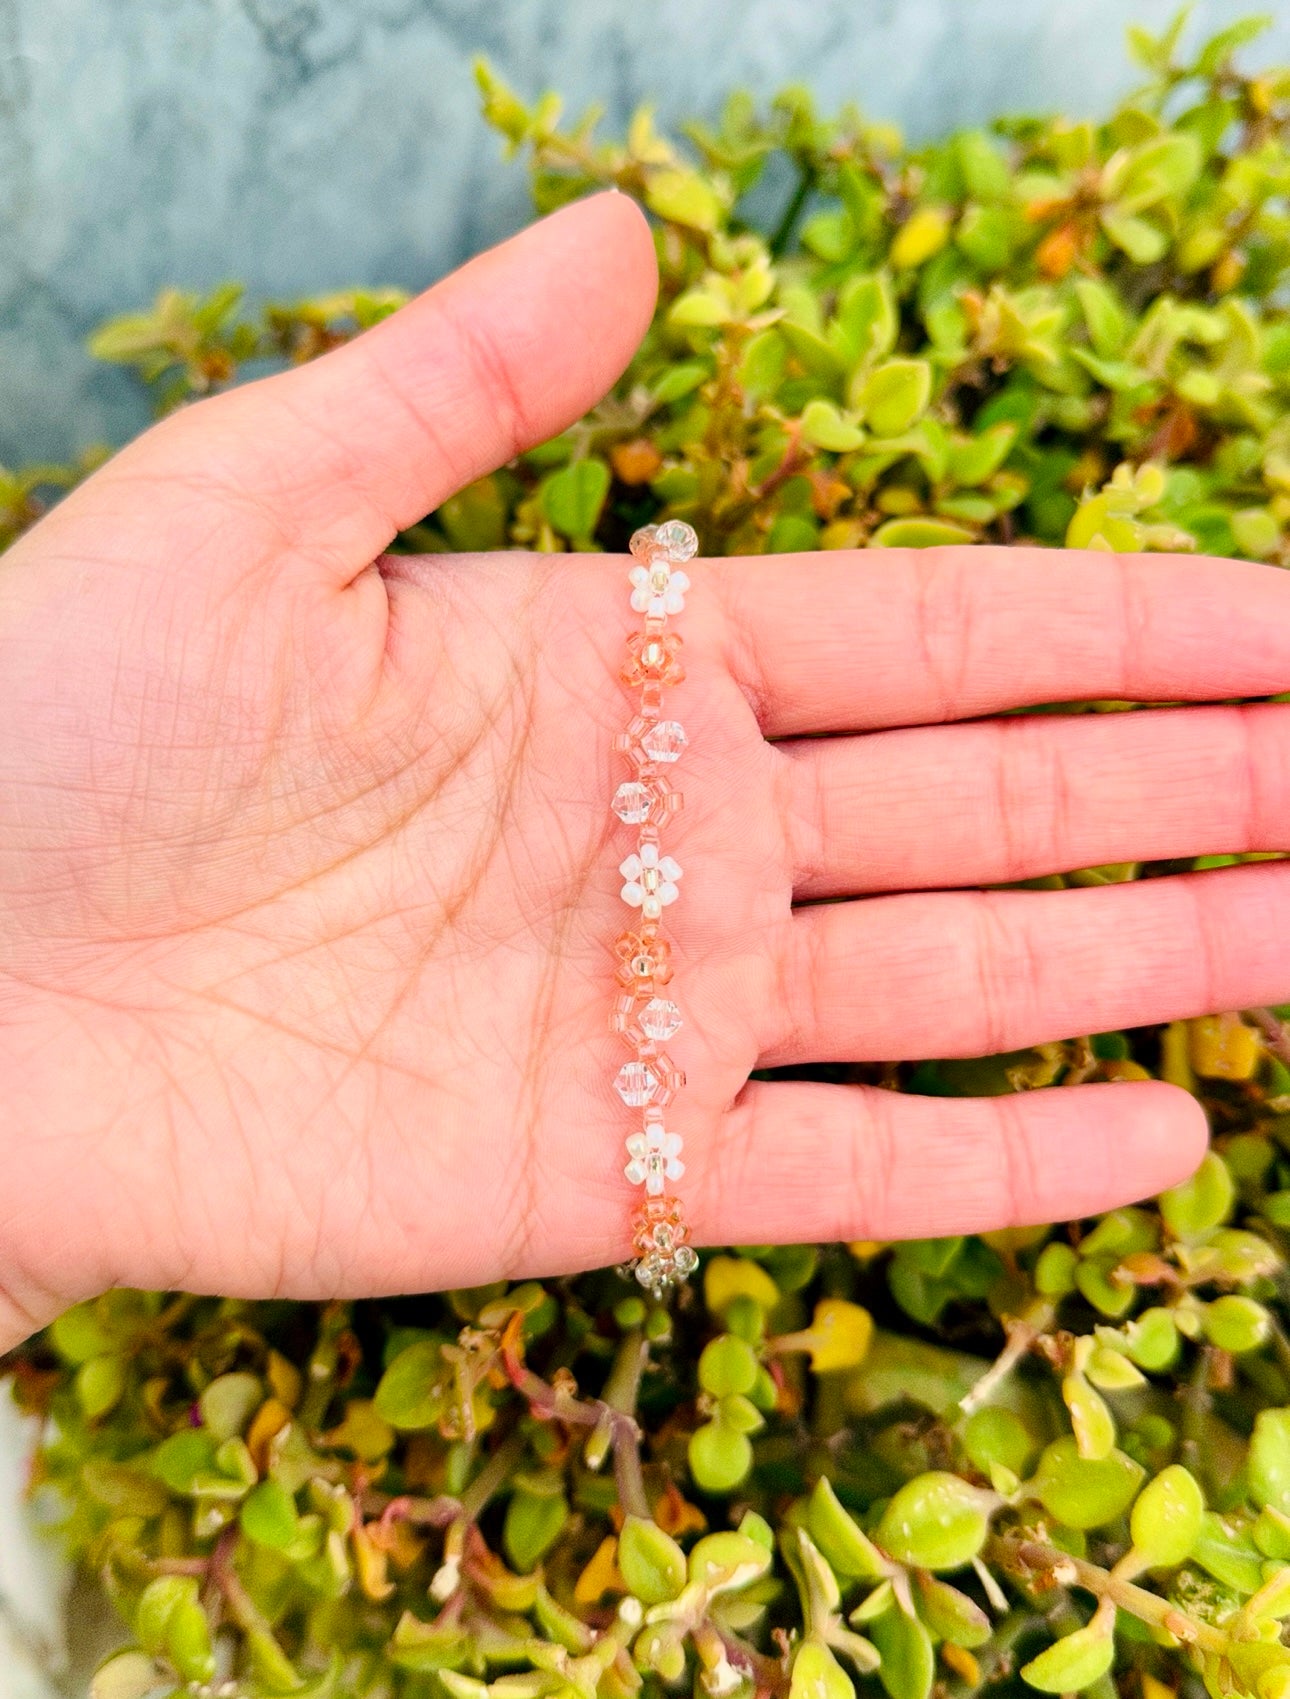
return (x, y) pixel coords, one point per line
(727, 1365)
(1094, 1277)
(951, 1614)
(997, 1436)
(126, 1490)
(1166, 1518)
(1268, 1463)
(652, 1563)
(475, 518)
(1257, 532)
(1055, 1270)
(1085, 1492)
(188, 1642)
(268, 1516)
(918, 534)
(81, 1333)
(158, 1602)
(412, 1391)
(935, 1521)
(1228, 1553)
(1091, 1419)
(792, 532)
(972, 460)
(699, 307)
(228, 1404)
(1219, 48)
(817, 1674)
(1237, 1324)
(125, 339)
(908, 1665)
(985, 170)
(761, 369)
(685, 198)
(739, 1412)
(1141, 240)
(867, 321)
(573, 497)
(818, 357)
(273, 1670)
(823, 426)
(182, 1457)
(427, 1646)
(100, 1385)
(682, 379)
(722, 1563)
(839, 1536)
(720, 1457)
(894, 395)
(532, 1526)
(1163, 168)
(1075, 1662)
(1105, 316)
(1201, 1203)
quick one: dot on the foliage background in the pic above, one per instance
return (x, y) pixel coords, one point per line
(1055, 330)
(304, 144)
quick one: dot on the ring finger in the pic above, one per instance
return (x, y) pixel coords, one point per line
(994, 801)
(976, 973)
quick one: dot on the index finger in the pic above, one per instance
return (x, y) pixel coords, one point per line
(848, 640)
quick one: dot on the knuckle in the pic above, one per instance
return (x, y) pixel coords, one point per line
(1018, 1178)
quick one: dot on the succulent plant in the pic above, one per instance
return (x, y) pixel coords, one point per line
(1055, 1458)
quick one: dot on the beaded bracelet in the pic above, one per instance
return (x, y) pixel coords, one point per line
(644, 1017)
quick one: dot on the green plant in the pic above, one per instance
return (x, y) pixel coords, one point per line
(1056, 1458)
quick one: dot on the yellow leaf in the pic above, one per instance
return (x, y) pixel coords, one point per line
(838, 1337)
(925, 234)
(1223, 1048)
(728, 1278)
(602, 1575)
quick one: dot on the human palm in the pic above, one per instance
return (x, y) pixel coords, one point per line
(308, 879)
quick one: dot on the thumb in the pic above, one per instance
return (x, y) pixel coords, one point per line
(333, 458)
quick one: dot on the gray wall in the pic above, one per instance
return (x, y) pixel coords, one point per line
(306, 144)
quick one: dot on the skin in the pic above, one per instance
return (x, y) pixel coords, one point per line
(308, 879)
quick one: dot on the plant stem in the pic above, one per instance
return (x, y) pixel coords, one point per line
(491, 1476)
(1273, 1030)
(1035, 1556)
(783, 231)
(1022, 1334)
(420, 1512)
(557, 1404)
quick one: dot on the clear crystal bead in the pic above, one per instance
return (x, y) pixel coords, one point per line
(677, 538)
(664, 740)
(635, 1083)
(685, 1259)
(660, 1018)
(632, 802)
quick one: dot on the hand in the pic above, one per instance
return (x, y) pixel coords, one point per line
(308, 877)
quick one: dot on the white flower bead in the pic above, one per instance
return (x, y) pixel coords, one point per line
(650, 882)
(674, 595)
(658, 589)
(655, 1158)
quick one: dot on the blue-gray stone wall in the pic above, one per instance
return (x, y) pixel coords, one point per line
(302, 145)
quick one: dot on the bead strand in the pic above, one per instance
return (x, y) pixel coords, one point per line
(648, 800)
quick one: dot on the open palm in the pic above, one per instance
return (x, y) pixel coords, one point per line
(308, 880)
